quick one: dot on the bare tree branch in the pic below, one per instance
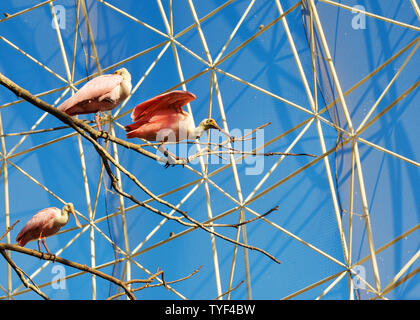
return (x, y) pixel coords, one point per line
(72, 122)
(46, 256)
(21, 274)
(150, 279)
(86, 132)
(92, 135)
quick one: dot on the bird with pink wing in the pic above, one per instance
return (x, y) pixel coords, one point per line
(45, 223)
(162, 118)
(100, 94)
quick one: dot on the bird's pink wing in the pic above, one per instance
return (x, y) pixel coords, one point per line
(174, 99)
(146, 130)
(93, 89)
(33, 227)
(152, 128)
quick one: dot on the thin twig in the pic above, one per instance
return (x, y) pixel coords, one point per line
(236, 225)
(24, 133)
(200, 225)
(251, 153)
(225, 293)
(9, 229)
(148, 280)
(153, 276)
(256, 129)
(152, 144)
(163, 281)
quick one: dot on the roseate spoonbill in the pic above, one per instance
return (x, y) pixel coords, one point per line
(102, 93)
(162, 118)
(45, 223)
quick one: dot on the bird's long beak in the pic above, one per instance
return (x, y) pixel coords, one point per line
(75, 217)
(223, 131)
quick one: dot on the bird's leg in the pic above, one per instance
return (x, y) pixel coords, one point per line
(98, 119)
(45, 245)
(39, 248)
(171, 158)
(98, 123)
(39, 244)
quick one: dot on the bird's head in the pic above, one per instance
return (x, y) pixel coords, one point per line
(124, 73)
(207, 124)
(210, 123)
(68, 207)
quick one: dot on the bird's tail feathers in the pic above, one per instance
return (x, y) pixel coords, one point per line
(130, 127)
(135, 125)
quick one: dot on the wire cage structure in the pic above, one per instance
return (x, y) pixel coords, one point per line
(336, 79)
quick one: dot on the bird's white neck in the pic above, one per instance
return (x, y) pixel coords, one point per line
(125, 89)
(63, 217)
(198, 132)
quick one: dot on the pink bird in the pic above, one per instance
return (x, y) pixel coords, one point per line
(102, 93)
(162, 119)
(45, 223)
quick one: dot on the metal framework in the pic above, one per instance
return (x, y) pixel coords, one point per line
(211, 63)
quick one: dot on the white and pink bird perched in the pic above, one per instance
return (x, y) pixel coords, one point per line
(162, 115)
(45, 223)
(102, 93)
